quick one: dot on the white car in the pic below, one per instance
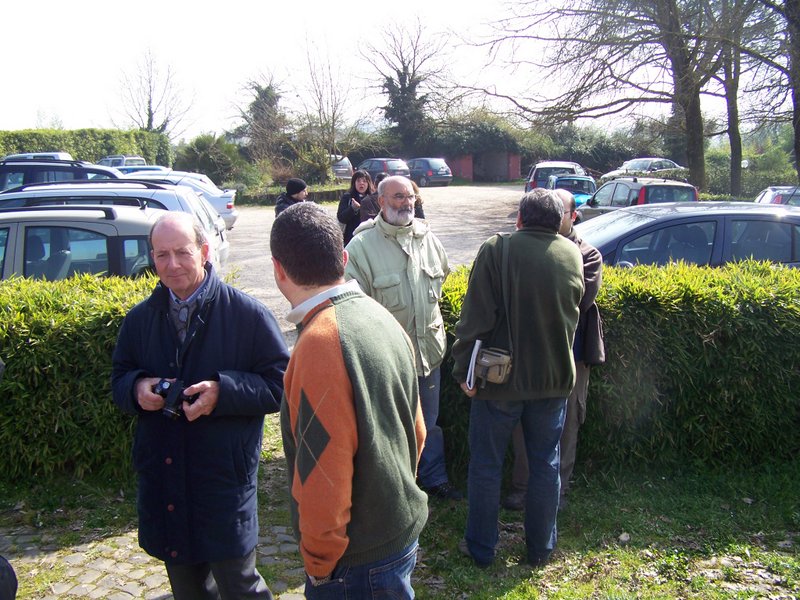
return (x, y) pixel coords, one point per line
(136, 193)
(223, 201)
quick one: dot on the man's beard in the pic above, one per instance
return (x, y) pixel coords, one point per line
(400, 217)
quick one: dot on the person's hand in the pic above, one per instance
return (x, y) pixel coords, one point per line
(356, 203)
(145, 397)
(205, 403)
(469, 392)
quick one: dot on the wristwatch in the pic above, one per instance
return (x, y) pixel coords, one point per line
(315, 581)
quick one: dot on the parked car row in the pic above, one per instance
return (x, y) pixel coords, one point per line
(59, 216)
(424, 171)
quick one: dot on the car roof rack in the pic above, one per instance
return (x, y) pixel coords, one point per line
(152, 185)
(48, 159)
(108, 211)
(140, 203)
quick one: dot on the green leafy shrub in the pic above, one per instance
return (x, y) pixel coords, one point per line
(702, 367)
(89, 144)
(56, 339)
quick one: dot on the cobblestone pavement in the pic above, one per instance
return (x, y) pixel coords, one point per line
(117, 569)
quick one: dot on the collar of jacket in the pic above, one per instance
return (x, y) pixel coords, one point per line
(416, 228)
(538, 229)
(159, 299)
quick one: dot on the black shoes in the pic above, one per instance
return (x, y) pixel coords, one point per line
(444, 491)
(515, 501)
(464, 549)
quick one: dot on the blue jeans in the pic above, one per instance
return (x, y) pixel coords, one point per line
(490, 426)
(387, 578)
(432, 470)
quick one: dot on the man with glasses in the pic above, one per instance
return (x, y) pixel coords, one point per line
(196, 454)
(397, 260)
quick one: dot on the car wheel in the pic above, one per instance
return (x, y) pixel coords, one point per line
(423, 181)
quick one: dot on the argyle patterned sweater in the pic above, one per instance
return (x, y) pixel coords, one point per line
(352, 433)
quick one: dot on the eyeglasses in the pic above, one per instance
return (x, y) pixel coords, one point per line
(400, 197)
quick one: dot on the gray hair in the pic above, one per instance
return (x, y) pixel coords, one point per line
(541, 208)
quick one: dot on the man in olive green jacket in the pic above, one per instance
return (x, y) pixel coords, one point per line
(544, 283)
(399, 262)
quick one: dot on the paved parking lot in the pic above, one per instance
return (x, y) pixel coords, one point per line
(461, 216)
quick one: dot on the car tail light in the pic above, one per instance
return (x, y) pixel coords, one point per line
(778, 199)
(430, 172)
(640, 199)
(696, 196)
(229, 205)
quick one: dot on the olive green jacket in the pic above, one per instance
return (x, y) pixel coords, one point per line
(403, 268)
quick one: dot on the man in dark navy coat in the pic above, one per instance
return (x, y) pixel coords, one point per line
(197, 470)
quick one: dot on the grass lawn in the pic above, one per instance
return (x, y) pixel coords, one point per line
(623, 535)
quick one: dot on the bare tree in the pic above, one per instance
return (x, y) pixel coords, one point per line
(152, 100)
(413, 77)
(782, 58)
(614, 56)
(744, 23)
(329, 107)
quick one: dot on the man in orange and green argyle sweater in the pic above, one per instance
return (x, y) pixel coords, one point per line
(351, 420)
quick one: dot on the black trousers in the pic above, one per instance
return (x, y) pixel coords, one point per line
(232, 579)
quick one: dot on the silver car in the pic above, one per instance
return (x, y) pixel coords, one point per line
(223, 201)
(56, 242)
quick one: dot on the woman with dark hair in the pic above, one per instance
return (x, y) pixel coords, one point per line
(369, 205)
(350, 204)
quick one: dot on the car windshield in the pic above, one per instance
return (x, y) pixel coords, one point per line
(609, 226)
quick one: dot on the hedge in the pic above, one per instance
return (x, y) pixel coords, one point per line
(90, 144)
(703, 366)
(56, 339)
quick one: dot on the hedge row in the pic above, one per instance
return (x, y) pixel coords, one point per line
(89, 144)
(56, 339)
(703, 367)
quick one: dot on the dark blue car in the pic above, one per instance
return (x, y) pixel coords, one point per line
(702, 233)
(430, 171)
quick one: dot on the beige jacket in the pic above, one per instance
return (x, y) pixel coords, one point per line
(403, 268)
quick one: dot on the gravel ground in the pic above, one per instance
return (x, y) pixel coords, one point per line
(461, 216)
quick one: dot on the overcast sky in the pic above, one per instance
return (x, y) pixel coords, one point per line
(63, 60)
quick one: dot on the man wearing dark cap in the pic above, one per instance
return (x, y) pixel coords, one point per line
(296, 191)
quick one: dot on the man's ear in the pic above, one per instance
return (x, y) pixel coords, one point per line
(280, 273)
(345, 257)
(519, 221)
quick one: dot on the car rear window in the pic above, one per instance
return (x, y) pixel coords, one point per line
(543, 173)
(396, 164)
(663, 193)
(436, 163)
